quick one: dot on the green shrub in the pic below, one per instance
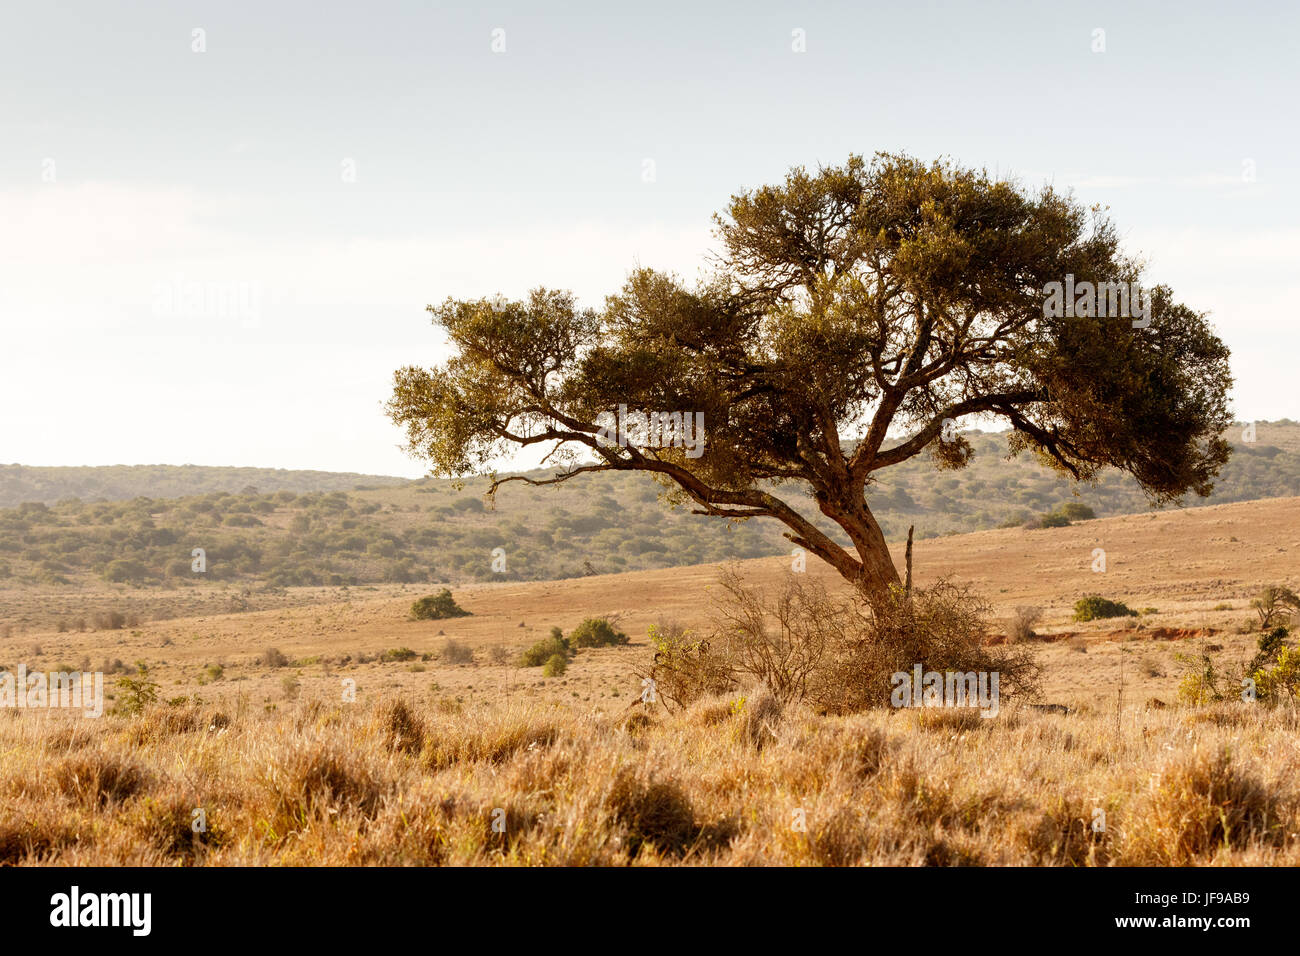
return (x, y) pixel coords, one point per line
(1269, 645)
(555, 665)
(1053, 519)
(1093, 607)
(398, 654)
(137, 692)
(1076, 511)
(1282, 680)
(543, 651)
(1015, 520)
(437, 607)
(125, 571)
(596, 632)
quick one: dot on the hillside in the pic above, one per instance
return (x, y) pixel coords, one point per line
(27, 483)
(429, 531)
(1191, 573)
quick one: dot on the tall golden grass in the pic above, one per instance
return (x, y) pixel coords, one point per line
(726, 781)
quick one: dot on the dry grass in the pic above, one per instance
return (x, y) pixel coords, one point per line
(722, 782)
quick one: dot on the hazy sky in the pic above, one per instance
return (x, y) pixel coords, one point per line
(322, 171)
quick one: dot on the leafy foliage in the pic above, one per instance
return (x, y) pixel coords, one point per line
(1092, 608)
(543, 651)
(437, 607)
(846, 303)
(136, 692)
(596, 632)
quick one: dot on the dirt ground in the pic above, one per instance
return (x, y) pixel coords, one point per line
(1191, 572)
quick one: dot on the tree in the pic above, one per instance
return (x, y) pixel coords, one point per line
(845, 306)
(1274, 604)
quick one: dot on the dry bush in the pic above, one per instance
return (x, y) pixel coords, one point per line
(273, 657)
(320, 778)
(782, 643)
(96, 779)
(686, 668)
(839, 654)
(403, 729)
(760, 714)
(1198, 805)
(493, 741)
(155, 723)
(942, 628)
(456, 652)
(652, 812)
(1022, 624)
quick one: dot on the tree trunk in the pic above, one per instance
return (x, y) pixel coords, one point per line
(908, 585)
(878, 572)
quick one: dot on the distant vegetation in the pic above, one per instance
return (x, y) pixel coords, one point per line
(23, 483)
(1094, 607)
(428, 531)
(437, 607)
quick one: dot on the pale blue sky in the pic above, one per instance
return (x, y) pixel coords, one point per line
(131, 165)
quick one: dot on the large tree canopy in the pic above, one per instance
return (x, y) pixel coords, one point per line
(873, 299)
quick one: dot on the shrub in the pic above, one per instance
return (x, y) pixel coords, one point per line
(1015, 519)
(840, 655)
(596, 632)
(125, 571)
(437, 607)
(543, 651)
(398, 655)
(1092, 608)
(1268, 646)
(271, 657)
(1077, 511)
(1022, 624)
(1202, 682)
(1053, 519)
(555, 665)
(942, 628)
(1282, 679)
(456, 652)
(652, 812)
(137, 692)
(403, 729)
(110, 621)
(684, 669)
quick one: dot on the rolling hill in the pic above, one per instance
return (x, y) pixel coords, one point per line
(431, 531)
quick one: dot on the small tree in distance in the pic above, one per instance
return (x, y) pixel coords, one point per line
(436, 607)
